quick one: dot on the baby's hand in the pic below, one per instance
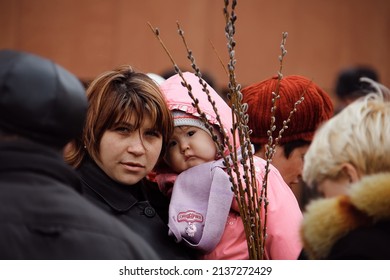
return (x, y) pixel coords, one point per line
(165, 183)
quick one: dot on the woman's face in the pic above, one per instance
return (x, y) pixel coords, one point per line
(128, 155)
(290, 168)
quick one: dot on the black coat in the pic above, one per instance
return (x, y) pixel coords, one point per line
(142, 207)
(42, 216)
(364, 243)
(351, 226)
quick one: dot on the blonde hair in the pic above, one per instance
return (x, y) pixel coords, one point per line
(113, 97)
(359, 135)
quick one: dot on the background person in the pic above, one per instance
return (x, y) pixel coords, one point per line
(348, 86)
(314, 109)
(43, 216)
(348, 162)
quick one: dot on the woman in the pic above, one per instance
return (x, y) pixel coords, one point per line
(127, 126)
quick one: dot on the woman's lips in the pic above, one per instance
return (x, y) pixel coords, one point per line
(133, 166)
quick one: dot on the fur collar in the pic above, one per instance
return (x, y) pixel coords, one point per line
(327, 220)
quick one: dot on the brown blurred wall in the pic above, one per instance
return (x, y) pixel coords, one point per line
(91, 36)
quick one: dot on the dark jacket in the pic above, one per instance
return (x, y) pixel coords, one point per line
(42, 216)
(352, 226)
(142, 207)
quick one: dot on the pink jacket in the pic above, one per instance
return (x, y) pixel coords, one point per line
(284, 215)
(283, 223)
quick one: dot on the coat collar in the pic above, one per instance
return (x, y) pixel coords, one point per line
(328, 220)
(118, 196)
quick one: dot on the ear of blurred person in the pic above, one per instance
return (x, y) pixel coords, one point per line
(43, 107)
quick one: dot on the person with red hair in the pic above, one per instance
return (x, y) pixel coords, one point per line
(315, 107)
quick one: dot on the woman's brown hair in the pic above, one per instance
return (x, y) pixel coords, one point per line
(113, 97)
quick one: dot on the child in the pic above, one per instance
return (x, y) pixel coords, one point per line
(203, 212)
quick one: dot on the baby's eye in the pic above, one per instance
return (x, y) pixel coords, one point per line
(171, 144)
(191, 132)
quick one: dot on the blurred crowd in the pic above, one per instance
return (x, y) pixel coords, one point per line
(128, 166)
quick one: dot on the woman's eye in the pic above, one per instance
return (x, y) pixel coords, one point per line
(153, 133)
(122, 129)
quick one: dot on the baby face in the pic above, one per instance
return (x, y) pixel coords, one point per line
(188, 147)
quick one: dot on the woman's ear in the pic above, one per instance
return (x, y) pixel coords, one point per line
(351, 171)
